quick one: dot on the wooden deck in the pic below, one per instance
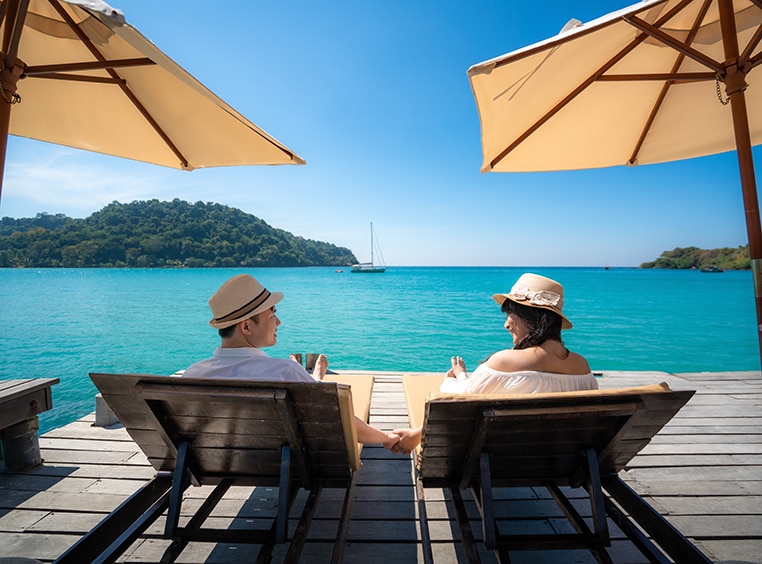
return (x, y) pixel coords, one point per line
(703, 471)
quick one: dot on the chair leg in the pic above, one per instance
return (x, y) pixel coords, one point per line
(176, 496)
(596, 496)
(487, 503)
(641, 541)
(264, 556)
(597, 541)
(303, 527)
(178, 545)
(346, 516)
(284, 488)
(423, 519)
(671, 540)
(111, 537)
(466, 535)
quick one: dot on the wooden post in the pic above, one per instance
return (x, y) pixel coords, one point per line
(21, 446)
(104, 415)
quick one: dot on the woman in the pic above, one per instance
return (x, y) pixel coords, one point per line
(538, 362)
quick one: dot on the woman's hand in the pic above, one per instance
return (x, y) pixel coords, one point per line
(408, 440)
(458, 367)
(391, 442)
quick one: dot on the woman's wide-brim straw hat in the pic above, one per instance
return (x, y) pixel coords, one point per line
(534, 290)
(240, 298)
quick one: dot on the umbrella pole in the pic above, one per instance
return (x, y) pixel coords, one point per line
(735, 85)
(8, 79)
(13, 13)
(5, 118)
(750, 200)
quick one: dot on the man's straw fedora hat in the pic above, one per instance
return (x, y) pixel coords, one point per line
(240, 298)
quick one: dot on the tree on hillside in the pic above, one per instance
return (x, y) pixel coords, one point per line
(692, 257)
(158, 234)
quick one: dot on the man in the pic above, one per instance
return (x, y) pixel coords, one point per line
(244, 315)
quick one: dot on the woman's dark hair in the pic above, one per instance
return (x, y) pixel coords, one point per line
(543, 324)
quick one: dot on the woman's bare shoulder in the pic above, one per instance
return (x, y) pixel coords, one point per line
(537, 359)
(511, 360)
(579, 362)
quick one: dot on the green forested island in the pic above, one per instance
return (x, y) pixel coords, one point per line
(693, 257)
(159, 234)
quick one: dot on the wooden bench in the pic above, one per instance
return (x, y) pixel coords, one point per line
(20, 402)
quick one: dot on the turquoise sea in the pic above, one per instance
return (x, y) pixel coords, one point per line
(65, 323)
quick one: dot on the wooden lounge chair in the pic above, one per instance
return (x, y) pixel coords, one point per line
(553, 440)
(230, 432)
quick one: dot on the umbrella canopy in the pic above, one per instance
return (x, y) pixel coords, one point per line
(76, 74)
(659, 81)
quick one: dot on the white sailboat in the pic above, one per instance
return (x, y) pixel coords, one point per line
(372, 266)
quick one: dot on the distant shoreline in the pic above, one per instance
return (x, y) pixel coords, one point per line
(334, 266)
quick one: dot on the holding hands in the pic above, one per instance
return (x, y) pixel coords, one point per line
(408, 439)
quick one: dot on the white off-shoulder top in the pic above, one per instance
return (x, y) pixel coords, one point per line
(485, 380)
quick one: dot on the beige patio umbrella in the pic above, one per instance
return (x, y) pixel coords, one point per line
(76, 74)
(659, 81)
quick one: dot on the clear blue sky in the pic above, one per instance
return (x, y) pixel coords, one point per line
(374, 95)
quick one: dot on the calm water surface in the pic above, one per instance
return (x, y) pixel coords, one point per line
(65, 323)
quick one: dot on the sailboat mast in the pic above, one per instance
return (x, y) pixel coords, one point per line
(371, 266)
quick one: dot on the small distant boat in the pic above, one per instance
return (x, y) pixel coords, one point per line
(371, 267)
(338, 271)
(711, 268)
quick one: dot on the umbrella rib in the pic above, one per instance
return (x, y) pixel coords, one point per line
(593, 78)
(80, 78)
(11, 40)
(573, 94)
(3, 11)
(670, 41)
(120, 82)
(746, 55)
(668, 84)
(755, 60)
(676, 77)
(87, 65)
(578, 32)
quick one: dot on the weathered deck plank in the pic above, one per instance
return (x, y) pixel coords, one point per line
(703, 471)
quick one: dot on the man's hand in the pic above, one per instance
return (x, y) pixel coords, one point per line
(391, 441)
(408, 440)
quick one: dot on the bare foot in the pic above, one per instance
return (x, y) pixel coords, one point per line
(321, 366)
